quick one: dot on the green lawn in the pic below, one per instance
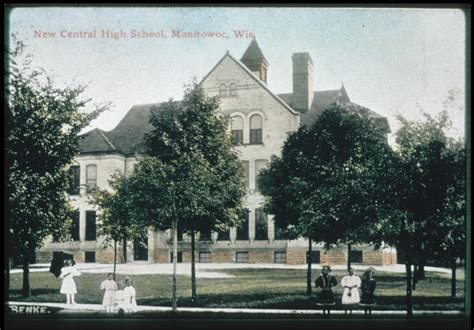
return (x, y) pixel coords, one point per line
(251, 288)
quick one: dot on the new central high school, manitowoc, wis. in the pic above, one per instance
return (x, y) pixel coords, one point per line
(260, 123)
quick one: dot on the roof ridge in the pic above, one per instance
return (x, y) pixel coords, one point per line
(262, 84)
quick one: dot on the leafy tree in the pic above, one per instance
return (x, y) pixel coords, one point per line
(191, 166)
(422, 187)
(325, 184)
(117, 222)
(43, 126)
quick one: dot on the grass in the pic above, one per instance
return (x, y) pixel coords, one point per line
(251, 288)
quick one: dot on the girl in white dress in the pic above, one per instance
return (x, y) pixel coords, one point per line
(68, 286)
(129, 302)
(350, 296)
(110, 287)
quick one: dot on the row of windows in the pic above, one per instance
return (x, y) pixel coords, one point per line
(279, 257)
(75, 179)
(91, 226)
(242, 234)
(261, 228)
(240, 257)
(260, 164)
(227, 91)
(255, 130)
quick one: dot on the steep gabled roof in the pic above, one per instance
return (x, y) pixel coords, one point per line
(253, 54)
(323, 99)
(261, 83)
(127, 138)
(95, 141)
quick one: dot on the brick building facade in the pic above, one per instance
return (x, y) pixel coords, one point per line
(260, 123)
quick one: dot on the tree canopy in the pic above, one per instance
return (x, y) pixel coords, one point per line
(325, 184)
(44, 122)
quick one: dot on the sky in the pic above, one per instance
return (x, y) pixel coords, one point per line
(393, 61)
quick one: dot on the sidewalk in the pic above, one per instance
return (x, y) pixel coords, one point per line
(79, 308)
(214, 270)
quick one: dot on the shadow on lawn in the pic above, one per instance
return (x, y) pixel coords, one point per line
(290, 301)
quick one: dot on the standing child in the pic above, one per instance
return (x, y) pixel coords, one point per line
(325, 281)
(368, 288)
(350, 296)
(109, 286)
(68, 286)
(129, 302)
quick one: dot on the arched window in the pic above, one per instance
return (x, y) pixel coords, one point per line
(237, 128)
(255, 129)
(232, 89)
(222, 90)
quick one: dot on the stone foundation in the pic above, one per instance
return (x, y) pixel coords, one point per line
(294, 256)
(333, 257)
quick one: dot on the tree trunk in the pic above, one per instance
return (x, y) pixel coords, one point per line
(453, 278)
(26, 291)
(115, 257)
(7, 279)
(125, 250)
(421, 271)
(409, 292)
(348, 257)
(415, 276)
(193, 266)
(309, 261)
(175, 260)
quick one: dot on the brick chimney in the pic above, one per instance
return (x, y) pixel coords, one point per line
(302, 81)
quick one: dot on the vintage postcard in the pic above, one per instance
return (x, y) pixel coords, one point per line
(169, 164)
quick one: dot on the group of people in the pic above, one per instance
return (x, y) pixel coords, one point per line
(113, 297)
(350, 296)
(125, 299)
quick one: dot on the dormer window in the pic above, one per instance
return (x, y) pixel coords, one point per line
(222, 90)
(233, 89)
(237, 128)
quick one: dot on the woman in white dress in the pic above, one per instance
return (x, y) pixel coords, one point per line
(68, 286)
(350, 296)
(129, 302)
(110, 287)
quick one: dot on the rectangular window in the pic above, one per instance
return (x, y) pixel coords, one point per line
(280, 232)
(180, 257)
(256, 136)
(204, 256)
(242, 257)
(315, 257)
(261, 225)
(355, 256)
(75, 180)
(89, 256)
(75, 226)
(280, 258)
(91, 226)
(223, 235)
(260, 164)
(91, 178)
(243, 227)
(237, 137)
(205, 235)
(180, 232)
(245, 164)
